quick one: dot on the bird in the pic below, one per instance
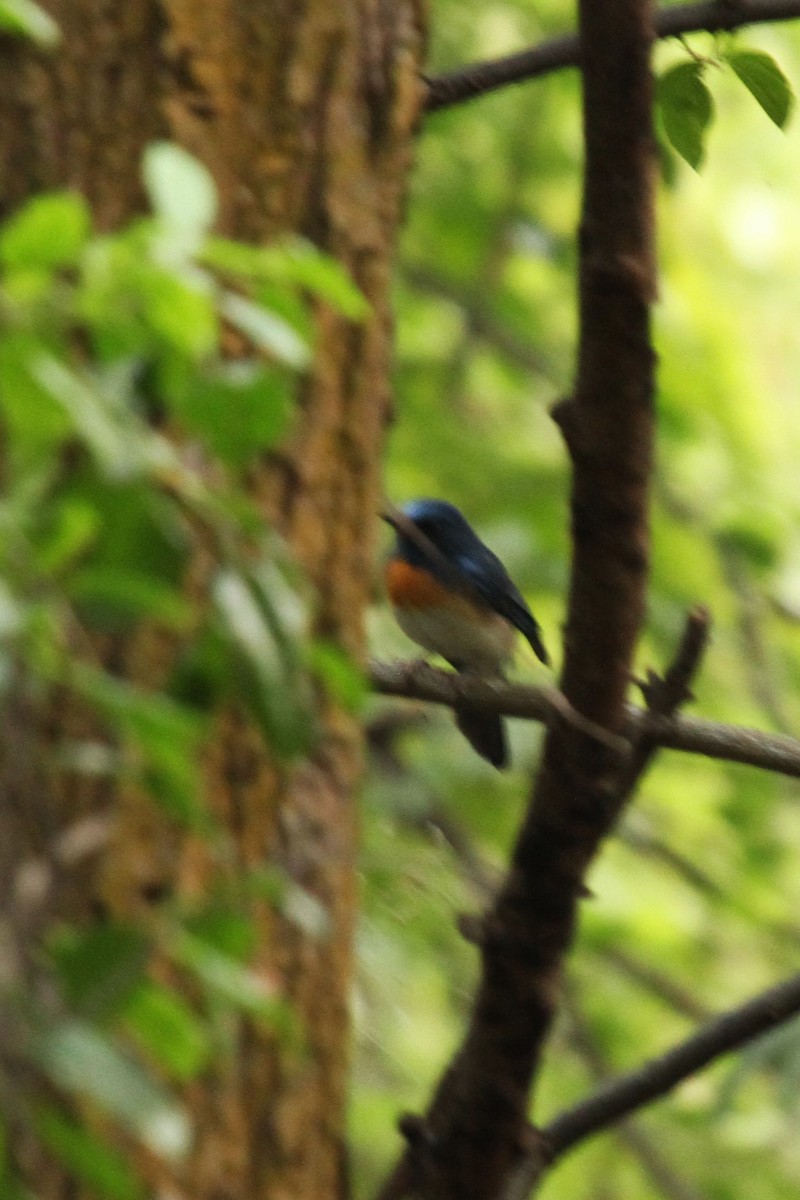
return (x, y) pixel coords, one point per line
(452, 595)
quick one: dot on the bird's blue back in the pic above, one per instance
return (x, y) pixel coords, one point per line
(478, 567)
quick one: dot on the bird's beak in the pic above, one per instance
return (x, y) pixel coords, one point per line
(389, 514)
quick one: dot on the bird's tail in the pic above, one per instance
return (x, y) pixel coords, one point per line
(486, 733)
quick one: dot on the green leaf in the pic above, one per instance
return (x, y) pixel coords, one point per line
(122, 445)
(227, 930)
(239, 409)
(78, 1057)
(181, 189)
(201, 677)
(266, 330)
(325, 277)
(127, 296)
(33, 420)
(340, 675)
(162, 733)
(667, 162)
(181, 311)
(766, 83)
(49, 231)
(114, 597)
(163, 1024)
(234, 984)
(91, 418)
(266, 676)
(296, 262)
(686, 109)
(755, 536)
(69, 531)
(89, 1158)
(29, 20)
(128, 293)
(101, 967)
(290, 305)
(133, 524)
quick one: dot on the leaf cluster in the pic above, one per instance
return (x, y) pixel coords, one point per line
(141, 373)
(685, 103)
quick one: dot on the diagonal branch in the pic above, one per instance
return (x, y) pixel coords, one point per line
(693, 735)
(710, 16)
(479, 319)
(668, 1182)
(628, 1093)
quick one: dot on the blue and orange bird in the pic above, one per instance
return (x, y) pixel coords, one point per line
(452, 595)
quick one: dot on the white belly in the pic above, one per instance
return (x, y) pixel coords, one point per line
(482, 646)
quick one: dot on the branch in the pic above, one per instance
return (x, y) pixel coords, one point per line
(695, 877)
(693, 735)
(471, 1136)
(654, 981)
(754, 643)
(642, 842)
(434, 820)
(660, 1075)
(664, 696)
(710, 16)
(479, 320)
(667, 1181)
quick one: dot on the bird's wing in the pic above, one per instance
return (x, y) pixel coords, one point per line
(490, 580)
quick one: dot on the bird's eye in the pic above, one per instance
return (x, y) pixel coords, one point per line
(426, 527)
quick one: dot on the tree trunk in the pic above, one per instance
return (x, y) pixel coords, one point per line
(305, 115)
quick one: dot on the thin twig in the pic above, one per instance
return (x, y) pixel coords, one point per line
(478, 318)
(645, 843)
(669, 1182)
(665, 696)
(659, 984)
(434, 820)
(660, 1075)
(758, 660)
(710, 16)
(693, 735)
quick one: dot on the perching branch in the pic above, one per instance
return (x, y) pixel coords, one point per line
(710, 16)
(628, 1093)
(693, 735)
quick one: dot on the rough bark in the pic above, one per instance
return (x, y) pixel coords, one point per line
(304, 114)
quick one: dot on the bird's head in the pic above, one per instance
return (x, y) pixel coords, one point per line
(438, 521)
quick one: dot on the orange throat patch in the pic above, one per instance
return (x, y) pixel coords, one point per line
(413, 587)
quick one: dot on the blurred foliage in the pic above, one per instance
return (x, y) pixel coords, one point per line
(140, 372)
(694, 901)
(25, 18)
